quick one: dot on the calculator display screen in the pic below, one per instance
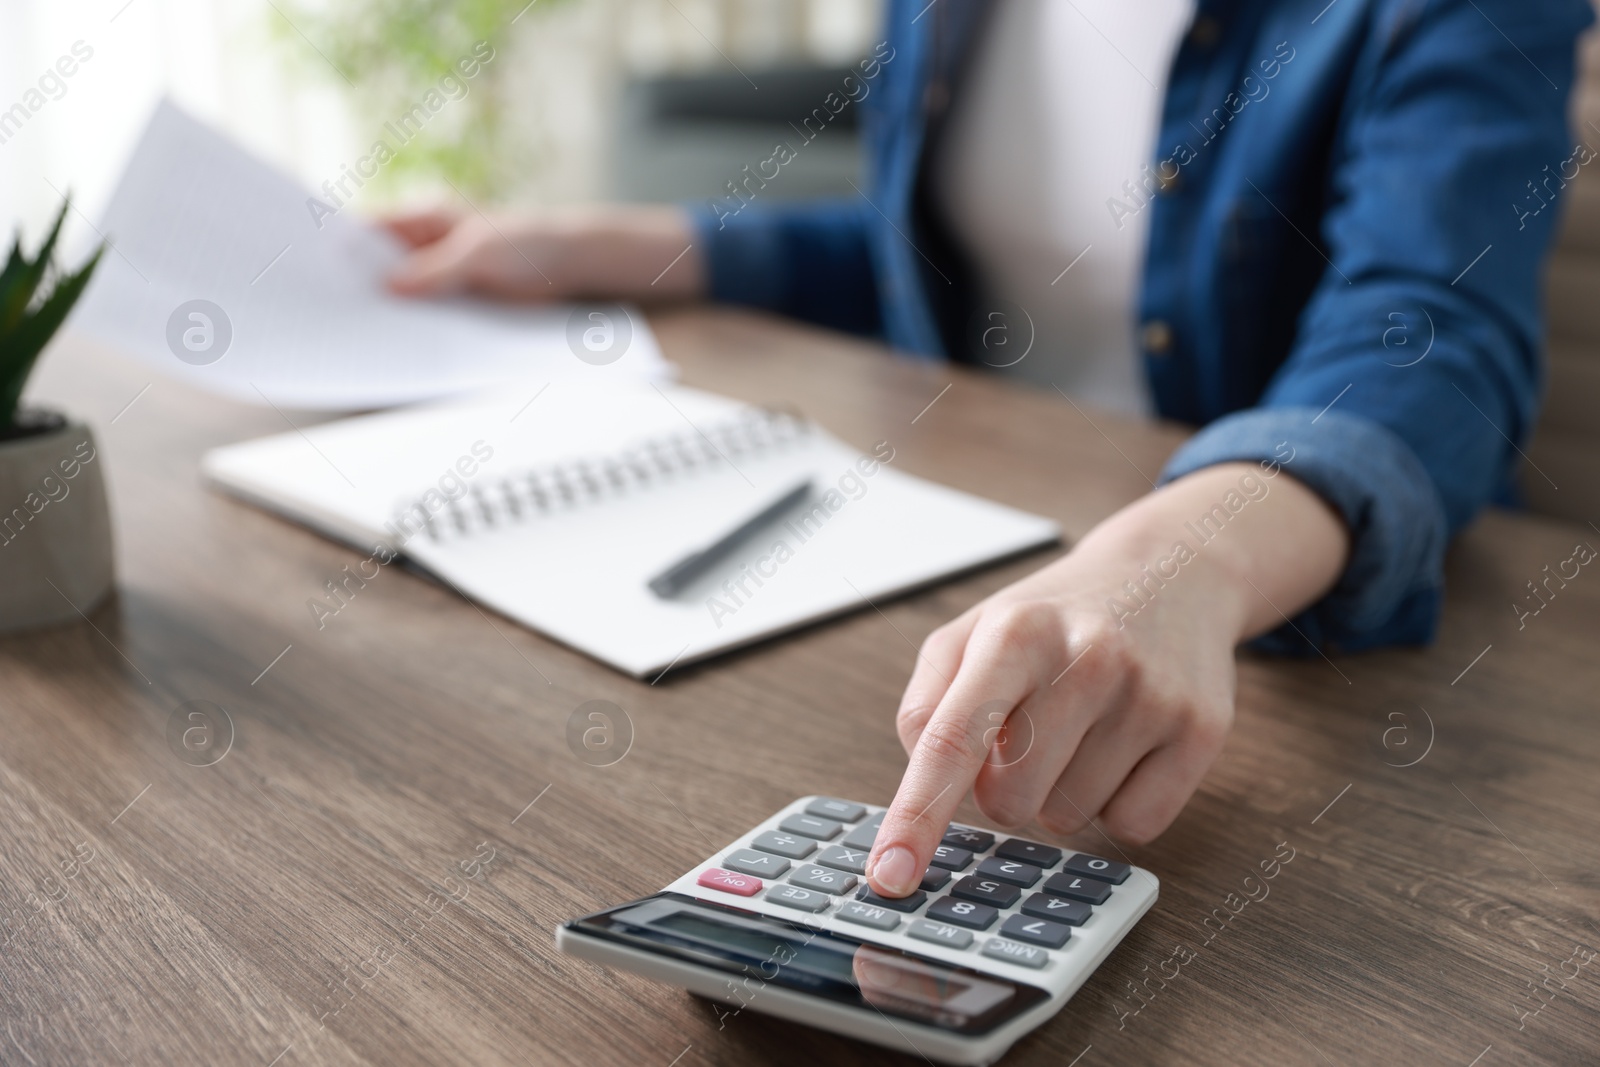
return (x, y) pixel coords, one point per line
(757, 950)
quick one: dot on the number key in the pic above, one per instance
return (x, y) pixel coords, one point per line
(1060, 909)
(1067, 884)
(1036, 931)
(951, 858)
(986, 891)
(966, 913)
(911, 903)
(1095, 867)
(1012, 872)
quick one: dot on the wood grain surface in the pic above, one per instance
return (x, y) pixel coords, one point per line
(372, 871)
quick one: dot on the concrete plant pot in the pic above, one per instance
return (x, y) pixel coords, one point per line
(55, 525)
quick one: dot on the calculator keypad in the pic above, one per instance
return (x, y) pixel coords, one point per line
(1017, 899)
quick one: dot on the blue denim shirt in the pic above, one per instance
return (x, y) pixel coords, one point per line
(1348, 223)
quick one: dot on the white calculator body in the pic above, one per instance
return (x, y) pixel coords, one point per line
(1001, 934)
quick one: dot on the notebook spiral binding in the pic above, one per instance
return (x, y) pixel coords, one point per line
(557, 487)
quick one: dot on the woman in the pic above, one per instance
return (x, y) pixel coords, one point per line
(1283, 221)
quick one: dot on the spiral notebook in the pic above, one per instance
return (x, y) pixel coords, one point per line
(556, 507)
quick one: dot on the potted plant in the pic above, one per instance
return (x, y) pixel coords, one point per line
(55, 527)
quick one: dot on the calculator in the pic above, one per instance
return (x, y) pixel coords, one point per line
(1000, 935)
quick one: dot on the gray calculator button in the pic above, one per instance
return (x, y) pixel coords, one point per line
(966, 913)
(854, 911)
(853, 860)
(749, 861)
(792, 896)
(940, 933)
(998, 948)
(861, 837)
(1041, 932)
(823, 879)
(811, 826)
(1014, 872)
(934, 880)
(795, 848)
(1057, 909)
(829, 808)
(951, 858)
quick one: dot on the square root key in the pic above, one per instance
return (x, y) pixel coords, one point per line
(749, 861)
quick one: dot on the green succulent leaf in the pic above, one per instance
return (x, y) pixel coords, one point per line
(22, 278)
(27, 324)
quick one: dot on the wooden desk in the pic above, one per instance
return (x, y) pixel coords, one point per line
(228, 910)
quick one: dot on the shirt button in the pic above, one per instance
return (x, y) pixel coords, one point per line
(1205, 32)
(1155, 337)
(1167, 184)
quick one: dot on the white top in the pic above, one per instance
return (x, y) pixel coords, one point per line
(1062, 107)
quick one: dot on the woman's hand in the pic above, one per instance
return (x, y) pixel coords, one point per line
(617, 252)
(1074, 694)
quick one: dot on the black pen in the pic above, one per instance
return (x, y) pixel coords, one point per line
(672, 581)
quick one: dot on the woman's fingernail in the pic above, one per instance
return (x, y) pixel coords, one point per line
(895, 872)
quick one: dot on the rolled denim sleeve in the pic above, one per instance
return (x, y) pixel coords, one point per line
(809, 259)
(1410, 441)
(1391, 587)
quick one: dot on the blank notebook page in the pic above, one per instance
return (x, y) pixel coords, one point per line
(587, 494)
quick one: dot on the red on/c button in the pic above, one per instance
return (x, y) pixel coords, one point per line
(729, 882)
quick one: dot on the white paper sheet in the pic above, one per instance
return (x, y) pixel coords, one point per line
(195, 217)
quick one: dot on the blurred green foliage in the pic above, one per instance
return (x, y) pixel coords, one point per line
(388, 54)
(35, 297)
